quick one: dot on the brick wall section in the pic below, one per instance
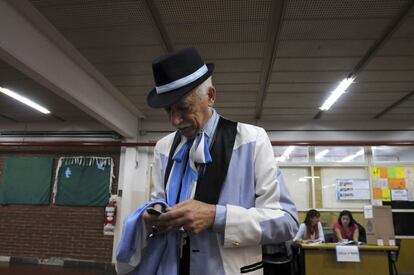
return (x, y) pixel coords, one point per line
(56, 231)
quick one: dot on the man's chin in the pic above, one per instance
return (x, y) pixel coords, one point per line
(188, 132)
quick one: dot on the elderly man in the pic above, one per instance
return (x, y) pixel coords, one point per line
(224, 195)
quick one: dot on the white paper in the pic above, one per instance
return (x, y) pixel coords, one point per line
(410, 194)
(356, 194)
(391, 242)
(347, 253)
(368, 212)
(380, 242)
(376, 202)
(352, 189)
(379, 183)
(399, 195)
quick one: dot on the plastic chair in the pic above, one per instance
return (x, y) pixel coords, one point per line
(362, 234)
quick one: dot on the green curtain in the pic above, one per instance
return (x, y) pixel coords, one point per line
(83, 181)
(26, 181)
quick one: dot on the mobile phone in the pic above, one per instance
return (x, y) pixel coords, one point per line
(153, 211)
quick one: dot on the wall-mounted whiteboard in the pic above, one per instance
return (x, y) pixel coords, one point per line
(299, 187)
(329, 176)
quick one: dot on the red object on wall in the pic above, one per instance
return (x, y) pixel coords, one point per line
(110, 217)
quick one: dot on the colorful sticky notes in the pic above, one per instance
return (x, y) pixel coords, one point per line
(396, 183)
(383, 172)
(386, 194)
(377, 193)
(375, 172)
(392, 172)
(400, 172)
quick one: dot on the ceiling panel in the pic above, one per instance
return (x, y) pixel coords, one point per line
(406, 30)
(228, 50)
(127, 67)
(93, 13)
(288, 111)
(360, 29)
(398, 117)
(293, 100)
(237, 78)
(323, 48)
(113, 36)
(312, 77)
(123, 54)
(386, 63)
(319, 43)
(381, 86)
(235, 87)
(201, 11)
(389, 76)
(397, 47)
(236, 65)
(315, 64)
(342, 9)
(300, 87)
(217, 32)
(279, 117)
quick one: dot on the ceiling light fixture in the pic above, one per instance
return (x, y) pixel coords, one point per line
(337, 93)
(351, 157)
(285, 154)
(321, 154)
(24, 100)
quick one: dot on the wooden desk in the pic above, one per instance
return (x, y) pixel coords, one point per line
(321, 259)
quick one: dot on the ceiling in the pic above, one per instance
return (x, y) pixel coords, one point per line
(276, 61)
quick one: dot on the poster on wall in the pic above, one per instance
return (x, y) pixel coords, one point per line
(392, 183)
(352, 189)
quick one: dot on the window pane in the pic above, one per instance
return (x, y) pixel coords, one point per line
(291, 154)
(393, 153)
(339, 154)
(328, 181)
(299, 184)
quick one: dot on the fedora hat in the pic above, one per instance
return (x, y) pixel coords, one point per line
(175, 74)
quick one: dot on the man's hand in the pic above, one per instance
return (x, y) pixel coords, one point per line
(152, 221)
(194, 216)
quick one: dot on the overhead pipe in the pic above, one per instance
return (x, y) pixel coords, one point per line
(152, 143)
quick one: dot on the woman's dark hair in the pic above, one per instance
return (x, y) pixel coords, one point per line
(346, 213)
(309, 215)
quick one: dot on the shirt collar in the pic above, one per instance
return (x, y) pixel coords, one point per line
(211, 125)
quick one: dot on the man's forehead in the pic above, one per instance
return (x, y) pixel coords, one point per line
(185, 100)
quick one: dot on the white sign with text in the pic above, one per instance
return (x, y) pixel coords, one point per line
(347, 253)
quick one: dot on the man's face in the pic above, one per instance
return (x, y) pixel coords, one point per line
(190, 114)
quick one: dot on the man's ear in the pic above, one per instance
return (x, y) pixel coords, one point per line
(211, 96)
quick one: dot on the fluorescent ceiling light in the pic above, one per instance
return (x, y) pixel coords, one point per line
(285, 154)
(351, 157)
(24, 100)
(321, 154)
(337, 93)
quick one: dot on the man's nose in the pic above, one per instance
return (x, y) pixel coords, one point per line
(176, 118)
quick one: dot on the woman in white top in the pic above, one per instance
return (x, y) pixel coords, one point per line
(311, 228)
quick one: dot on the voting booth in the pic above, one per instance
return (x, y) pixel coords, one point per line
(379, 225)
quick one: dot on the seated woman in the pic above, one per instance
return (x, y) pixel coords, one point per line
(311, 228)
(345, 228)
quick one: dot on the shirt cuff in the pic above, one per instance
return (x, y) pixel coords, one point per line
(220, 219)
